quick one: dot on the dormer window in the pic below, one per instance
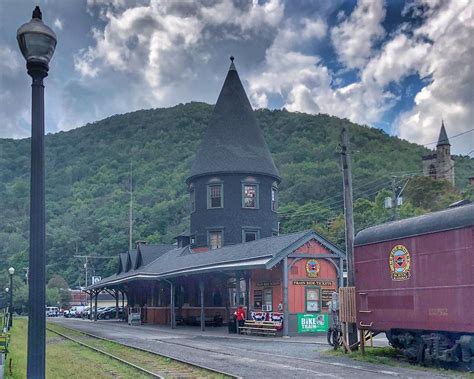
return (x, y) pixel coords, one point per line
(250, 196)
(215, 196)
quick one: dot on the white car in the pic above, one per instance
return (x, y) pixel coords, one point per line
(52, 311)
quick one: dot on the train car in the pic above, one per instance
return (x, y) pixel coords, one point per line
(415, 281)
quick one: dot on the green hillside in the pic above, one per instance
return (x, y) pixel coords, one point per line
(87, 181)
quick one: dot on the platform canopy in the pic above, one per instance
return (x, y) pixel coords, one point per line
(171, 261)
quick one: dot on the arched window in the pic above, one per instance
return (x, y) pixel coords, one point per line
(432, 171)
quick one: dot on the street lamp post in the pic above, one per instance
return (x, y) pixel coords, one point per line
(37, 43)
(5, 327)
(11, 271)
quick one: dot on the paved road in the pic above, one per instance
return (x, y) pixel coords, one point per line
(248, 358)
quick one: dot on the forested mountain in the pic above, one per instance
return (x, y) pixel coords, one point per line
(87, 181)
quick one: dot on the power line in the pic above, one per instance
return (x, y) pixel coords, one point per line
(452, 137)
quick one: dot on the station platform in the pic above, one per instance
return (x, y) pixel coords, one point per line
(164, 331)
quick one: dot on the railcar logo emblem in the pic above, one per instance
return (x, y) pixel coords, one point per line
(399, 262)
(312, 268)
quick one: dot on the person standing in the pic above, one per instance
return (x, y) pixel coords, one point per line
(240, 317)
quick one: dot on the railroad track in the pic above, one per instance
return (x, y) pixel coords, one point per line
(185, 370)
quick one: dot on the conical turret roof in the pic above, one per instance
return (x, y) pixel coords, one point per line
(233, 142)
(443, 137)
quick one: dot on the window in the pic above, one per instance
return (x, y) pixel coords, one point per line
(274, 199)
(250, 196)
(214, 196)
(250, 235)
(313, 299)
(192, 199)
(215, 239)
(267, 300)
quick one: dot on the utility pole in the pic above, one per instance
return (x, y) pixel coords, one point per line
(394, 199)
(130, 211)
(86, 265)
(349, 221)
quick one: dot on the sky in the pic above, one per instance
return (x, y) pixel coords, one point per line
(401, 66)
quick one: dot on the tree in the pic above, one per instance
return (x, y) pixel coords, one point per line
(59, 283)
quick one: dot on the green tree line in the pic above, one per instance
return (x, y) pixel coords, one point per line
(87, 182)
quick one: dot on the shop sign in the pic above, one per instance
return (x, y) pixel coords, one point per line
(308, 322)
(268, 284)
(312, 268)
(320, 283)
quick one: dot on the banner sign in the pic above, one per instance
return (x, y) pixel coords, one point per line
(321, 283)
(308, 322)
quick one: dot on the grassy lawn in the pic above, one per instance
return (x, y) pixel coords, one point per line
(146, 360)
(392, 357)
(64, 359)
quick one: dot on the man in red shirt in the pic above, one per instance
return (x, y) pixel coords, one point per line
(240, 317)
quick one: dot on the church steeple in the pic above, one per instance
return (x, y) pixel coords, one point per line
(443, 137)
(233, 142)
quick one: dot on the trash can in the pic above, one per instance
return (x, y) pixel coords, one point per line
(232, 325)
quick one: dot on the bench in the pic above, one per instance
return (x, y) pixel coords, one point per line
(4, 340)
(262, 328)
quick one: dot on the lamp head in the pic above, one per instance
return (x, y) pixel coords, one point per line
(7, 289)
(36, 40)
(11, 270)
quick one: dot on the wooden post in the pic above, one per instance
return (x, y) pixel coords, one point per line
(203, 318)
(349, 221)
(362, 341)
(117, 304)
(286, 312)
(172, 313)
(237, 288)
(95, 305)
(247, 295)
(91, 307)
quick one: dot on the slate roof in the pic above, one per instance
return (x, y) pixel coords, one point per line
(133, 258)
(124, 257)
(451, 218)
(151, 252)
(264, 253)
(443, 137)
(233, 142)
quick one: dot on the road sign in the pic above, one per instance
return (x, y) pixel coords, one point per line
(96, 279)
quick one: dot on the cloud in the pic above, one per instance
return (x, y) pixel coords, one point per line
(58, 24)
(165, 41)
(448, 62)
(354, 37)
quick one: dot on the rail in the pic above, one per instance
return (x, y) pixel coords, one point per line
(138, 349)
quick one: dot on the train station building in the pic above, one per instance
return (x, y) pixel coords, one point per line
(233, 253)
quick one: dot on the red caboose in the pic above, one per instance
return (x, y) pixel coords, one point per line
(415, 282)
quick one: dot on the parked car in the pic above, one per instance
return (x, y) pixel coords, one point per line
(52, 311)
(76, 311)
(109, 312)
(85, 312)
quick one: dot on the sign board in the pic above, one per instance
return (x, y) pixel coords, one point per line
(96, 279)
(268, 284)
(326, 296)
(312, 322)
(321, 283)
